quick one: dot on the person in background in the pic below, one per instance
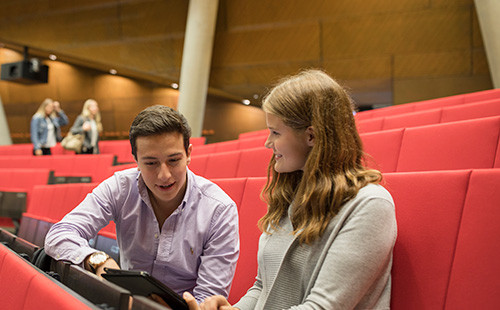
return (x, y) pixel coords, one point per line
(89, 124)
(45, 127)
(330, 228)
(177, 226)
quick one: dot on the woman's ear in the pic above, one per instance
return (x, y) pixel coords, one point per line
(310, 136)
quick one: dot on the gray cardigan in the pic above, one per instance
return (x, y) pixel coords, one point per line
(349, 267)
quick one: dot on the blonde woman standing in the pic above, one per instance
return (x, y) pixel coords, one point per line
(330, 229)
(45, 127)
(88, 123)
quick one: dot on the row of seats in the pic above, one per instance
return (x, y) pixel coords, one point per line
(432, 116)
(232, 164)
(119, 148)
(455, 145)
(84, 168)
(16, 186)
(25, 287)
(466, 144)
(231, 145)
(74, 282)
(430, 104)
(445, 219)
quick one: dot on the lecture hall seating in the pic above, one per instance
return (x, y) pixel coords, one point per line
(25, 287)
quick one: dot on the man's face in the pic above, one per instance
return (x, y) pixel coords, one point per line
(162, 161)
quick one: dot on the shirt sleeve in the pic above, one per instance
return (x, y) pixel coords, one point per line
(69, 239)
(62, 119)
(220, 254)
(35, 124)
(358, 257)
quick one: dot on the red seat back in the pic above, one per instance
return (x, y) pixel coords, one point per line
(475, 276)
(428, 211)
(251, 210)
(458, 145)
(382, 149)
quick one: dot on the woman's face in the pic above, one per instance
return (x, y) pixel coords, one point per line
(93, 108)
(290, 147)
(49, 108)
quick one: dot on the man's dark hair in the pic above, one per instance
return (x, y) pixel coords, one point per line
(156, 120)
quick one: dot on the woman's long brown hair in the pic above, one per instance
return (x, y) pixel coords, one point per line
(333, 173)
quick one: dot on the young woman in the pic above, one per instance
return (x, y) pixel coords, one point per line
(330, 228)
(46, 126)
(89, 124)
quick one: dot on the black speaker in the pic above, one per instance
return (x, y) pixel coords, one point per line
(25, 72)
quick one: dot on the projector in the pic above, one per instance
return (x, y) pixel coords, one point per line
(30, 71)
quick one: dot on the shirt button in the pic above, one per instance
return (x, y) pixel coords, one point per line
(156, 236)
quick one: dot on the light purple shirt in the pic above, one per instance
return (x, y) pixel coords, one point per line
(196, 250)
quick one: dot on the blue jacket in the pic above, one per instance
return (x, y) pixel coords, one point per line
(39, 130)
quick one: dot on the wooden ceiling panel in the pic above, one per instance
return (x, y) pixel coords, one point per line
(243, 13)
(425, 31)
(294, 43)
(360, 68)
(59, 29)
(433, 64)
(154, 18)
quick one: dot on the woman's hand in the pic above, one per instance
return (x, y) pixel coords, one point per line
(86, 126)
(217, 302)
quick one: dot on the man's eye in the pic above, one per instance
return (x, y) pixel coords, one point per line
(150, 163)
(174, 160)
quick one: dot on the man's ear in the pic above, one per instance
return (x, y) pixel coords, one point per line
(310, 138)
(190, 148)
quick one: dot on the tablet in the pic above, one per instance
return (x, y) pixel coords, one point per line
(142, 283)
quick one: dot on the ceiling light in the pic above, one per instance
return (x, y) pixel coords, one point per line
(52, 57)
(246, 101)
(174, 85)
(113, 71)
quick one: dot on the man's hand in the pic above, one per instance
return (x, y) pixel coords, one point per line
(38, 152)
(217, 302)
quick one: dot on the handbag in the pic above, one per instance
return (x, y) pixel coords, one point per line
(73, 142)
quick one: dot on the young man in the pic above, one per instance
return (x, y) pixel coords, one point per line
(179, 227)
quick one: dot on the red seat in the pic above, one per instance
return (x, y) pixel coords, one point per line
(198, 164)
(428, 211)
(203, 149)
(458, 145)
(234, 187)
(471, 111)
(226, 146)
(482, 95)
(414, 119)
(251, 210)
(254, 162)
(382, 149)
(475, 277)
(252, 142)
(222, 165)
(369, 125)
